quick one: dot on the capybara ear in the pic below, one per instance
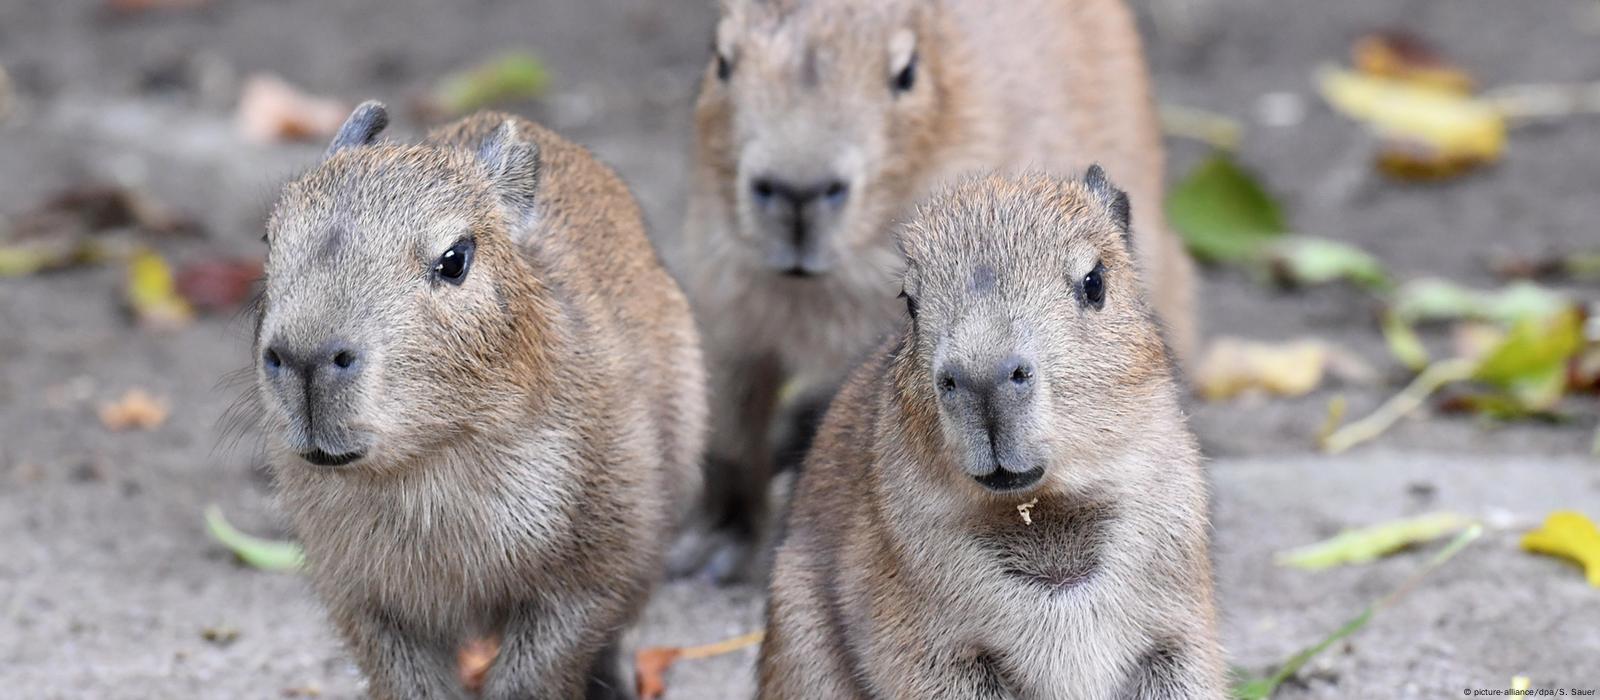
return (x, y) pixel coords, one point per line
(361, 127)
(1115, 200)
(513, 165)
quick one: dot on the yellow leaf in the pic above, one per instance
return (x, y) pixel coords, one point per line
(1361, 545)
(1234, 366)
(152, 293)
(1571, 535)
(1428, 122)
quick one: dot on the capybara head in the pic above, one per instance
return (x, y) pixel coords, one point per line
(396, 310)
(816, 116)
(1030, 338)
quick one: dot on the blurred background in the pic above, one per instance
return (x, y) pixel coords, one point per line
(1396, 199)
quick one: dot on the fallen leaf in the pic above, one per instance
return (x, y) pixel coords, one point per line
(218, 285)
(1520, 682)
(1299, 261)
(650, 664)
(1403, 342)
(509, 77)
(473, 662)
(1362, 545)
(98, 207)
(1579, 265)
(1407, 57)
(267, 555)
(1263, 687)
(33, 257)
(1531, 362)
(220, 636)
(137, 409)
(1570, 535)
(272, 110)
(1233, 366)
(1222, 212)
(1427, 132)
(152, 293)
(1433, 299)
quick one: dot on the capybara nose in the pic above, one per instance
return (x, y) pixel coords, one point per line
(332, 362)
(771, 191)
(998, 388)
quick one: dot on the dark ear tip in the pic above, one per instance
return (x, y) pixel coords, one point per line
(1095, 175)
(361, 127)
(372, 111)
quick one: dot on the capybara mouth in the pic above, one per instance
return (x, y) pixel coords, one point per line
(324, 459)
(798, 271)
(1002, 481)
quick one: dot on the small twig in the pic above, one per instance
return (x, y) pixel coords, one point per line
(651, 663)
(1409, 399)
(1218, 130)
(725, 646)
(1545, 100)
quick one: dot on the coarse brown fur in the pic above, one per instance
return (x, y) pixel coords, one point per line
(803, 89)
(530, 435)
(902, 577)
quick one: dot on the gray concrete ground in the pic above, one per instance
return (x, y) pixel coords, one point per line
(108, 583)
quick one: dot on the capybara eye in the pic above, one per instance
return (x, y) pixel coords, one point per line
(453, 265)
(911, 303)
(907, 76)
(724, 66)
(1094, 286)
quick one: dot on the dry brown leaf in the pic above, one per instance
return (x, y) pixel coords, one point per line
(474, 660)
(1406, 56)
(650, 664)
(137, 409)
(271, 110)
(1233, 366)
(218, 285)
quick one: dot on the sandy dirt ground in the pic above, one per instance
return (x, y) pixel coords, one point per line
(109, 585)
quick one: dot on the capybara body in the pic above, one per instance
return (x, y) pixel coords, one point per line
(488, 401)
(1003, 502)
(821, 121)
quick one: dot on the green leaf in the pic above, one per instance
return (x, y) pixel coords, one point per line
(507, 78)
(267, 555)
(1361, 545)
(1432, 299)
(1261, 688)
(1403, 342)
(1308, 261)
(1223, 213)
(1535, 347)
